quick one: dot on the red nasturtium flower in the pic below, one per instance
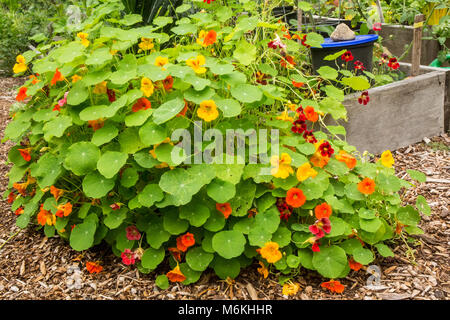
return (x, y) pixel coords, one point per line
(141, 104)
(320, 227)
(115, 206)
(325, 149)
(295, 198)
(333, 286)
(19, 211)
(93, 267)
(364, 98)
(111, 95)
(315, 246)
(128, 257)
(393, 64)
(283, 209)
(176, 275)
(56, 77)
(303, 41)
(359, 65)
(376, 26)
(367, 186)
(22, 95)
(25, 153)
(261, 78)
(323, 211)
(354, 265)
(225, 208)
(309, 136)
(298, 126)
(64, 210)
(133, 233)
(11, 197)
(347, 56)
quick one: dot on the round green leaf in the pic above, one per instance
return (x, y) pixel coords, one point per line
(152, 258)
(198, 259)
(225, 268)
(96, 186)
(104, 134)
(229, 244)
(150, 194)
(330, 262)
(363, 256)
(173, 224)
(246, 93)
(82, 236)
(111, 162)
(152, 134)
(129, 177)
(221, 191)
(162, 281)
(195, 213)
(82, 157)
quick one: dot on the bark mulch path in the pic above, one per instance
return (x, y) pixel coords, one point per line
(35, 267)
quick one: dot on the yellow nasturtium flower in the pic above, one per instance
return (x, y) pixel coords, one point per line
(21, 65)
(284, 116)
(197, 64)
(281, 167)
(147, 87)
(386, 159)
(208, 111)
(100, 88)
(290, 288)
(76, 78)
(305, 171)
(271, 252)
(83, 36)
(146, 44)
(161, 61)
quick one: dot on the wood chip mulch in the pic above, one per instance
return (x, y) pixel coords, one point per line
(35, 267)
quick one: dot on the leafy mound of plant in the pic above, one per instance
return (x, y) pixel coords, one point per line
(94, 159)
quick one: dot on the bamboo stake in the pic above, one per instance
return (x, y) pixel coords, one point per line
(380, 11)
(417, 44)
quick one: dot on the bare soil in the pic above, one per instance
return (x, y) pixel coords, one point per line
(33, 266)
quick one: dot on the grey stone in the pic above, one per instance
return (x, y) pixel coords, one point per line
(342, 33)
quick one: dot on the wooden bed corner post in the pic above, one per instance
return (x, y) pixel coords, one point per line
(417, 44)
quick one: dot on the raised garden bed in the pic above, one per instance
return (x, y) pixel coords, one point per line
(400, 113)
(396, 39)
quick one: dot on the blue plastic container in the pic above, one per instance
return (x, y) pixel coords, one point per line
(361, 48)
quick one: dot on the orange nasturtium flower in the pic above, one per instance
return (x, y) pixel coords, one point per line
(161, 61)
(197, 64)
(168, 83)
(76, 78)
(185, 241)
(225, 208)
(64, 210)
(305, 171)
(22, 95)
(311, 114)
(290, 289)
(263, 270)
(45, 217)
(176, 253)
(323, 211)
(271, 252)
(367, 186)
(83, 36)
(147, 87)
(281, 167)
(295, 198)
(25, 153)
(386, 159)
(288, 62)
(101, 88)
(57, 77)
(34, 78)
(354, 265)
(347, 158)
(333, 286)
(20, 65)
(19, 211)
(96, 124)
(176, 275)
(146, 44)
(56, 192)
(141, 104)
(208, 110)
(93, 267)
(207, 38)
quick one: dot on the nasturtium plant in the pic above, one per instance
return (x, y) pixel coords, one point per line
(101, 129)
